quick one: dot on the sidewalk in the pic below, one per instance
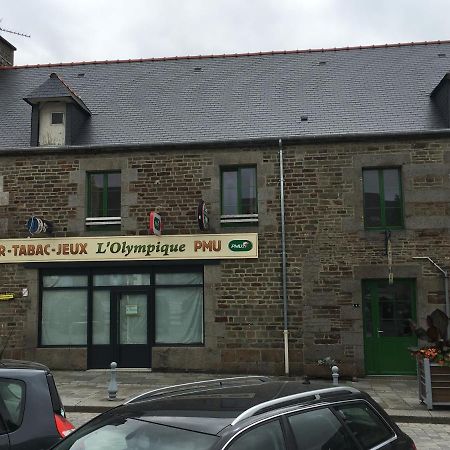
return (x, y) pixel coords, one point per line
(86, 391)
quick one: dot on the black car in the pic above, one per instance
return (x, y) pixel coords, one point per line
(32, 416)
(244, 413)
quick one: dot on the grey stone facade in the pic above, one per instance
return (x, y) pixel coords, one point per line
(329, 252)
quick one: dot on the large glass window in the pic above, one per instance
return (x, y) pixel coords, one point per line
(103, 194)
(179, 308)
(239, 196)
(64, 310)
(382, 198)
(132, 305)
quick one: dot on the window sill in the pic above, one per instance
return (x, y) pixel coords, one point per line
(101, 221)
(239, 219)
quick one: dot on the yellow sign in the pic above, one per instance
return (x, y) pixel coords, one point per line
(6, 296)
(129, 248)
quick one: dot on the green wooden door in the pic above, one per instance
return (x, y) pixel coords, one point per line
(387, 333)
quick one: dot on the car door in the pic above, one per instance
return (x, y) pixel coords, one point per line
(4, 438)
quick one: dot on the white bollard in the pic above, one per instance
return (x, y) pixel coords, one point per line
(112, 387)
(335, 374)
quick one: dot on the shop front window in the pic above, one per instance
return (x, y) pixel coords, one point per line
(64, 310)
(179, 308)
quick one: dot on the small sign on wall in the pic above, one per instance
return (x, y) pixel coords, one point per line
(6, 296)
(155, 224)
(131, 310)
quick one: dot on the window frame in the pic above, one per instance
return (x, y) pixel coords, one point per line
(149, 288)
(103, 221)
(380, 173)
(240, 218)
(60, 114)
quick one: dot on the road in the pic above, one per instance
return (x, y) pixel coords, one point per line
(426, 436)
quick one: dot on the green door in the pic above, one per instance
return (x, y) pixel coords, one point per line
(387, 333)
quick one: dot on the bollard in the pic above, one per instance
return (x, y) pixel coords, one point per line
(112, 387)
(335, 374)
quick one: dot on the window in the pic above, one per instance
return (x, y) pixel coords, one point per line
(319, 429)
(382, 198)
(103, 204)
(57, 118)
(179, 308)
(239, 200)
(12, 402)
(64, 310)
(367, 427)
(263, 437)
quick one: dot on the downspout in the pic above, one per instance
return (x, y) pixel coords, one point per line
(283, 263)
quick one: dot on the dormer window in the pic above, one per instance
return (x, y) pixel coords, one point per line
(57, 118)
(58, 113)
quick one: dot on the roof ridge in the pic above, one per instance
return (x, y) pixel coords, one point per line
(228, 55)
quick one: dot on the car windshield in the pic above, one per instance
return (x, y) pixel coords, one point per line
(135, 434)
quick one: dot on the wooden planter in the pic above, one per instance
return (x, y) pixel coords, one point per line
(434, 383)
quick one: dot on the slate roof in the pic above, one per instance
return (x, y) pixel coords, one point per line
(379, 89)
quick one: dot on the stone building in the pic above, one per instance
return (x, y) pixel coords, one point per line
(274, 275)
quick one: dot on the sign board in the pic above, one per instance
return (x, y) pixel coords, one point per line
(155, 225)
(131, 310)
(130, 248)
(6, 296)
(202, 216)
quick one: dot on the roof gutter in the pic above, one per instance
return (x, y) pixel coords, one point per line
(251, 142)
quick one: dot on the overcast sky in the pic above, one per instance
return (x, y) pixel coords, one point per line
(87, 30)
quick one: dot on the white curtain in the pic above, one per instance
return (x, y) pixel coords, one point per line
(179, 315)
(64, 316)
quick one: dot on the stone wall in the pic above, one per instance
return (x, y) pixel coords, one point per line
(328, 250)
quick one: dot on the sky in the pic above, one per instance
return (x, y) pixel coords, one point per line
(96, 30)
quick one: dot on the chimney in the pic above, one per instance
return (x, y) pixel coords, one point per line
(6, 53)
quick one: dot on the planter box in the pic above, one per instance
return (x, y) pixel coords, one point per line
(434, 383)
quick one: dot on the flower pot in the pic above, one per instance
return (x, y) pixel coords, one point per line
(434, 383)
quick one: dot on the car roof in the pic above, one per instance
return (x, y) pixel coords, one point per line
(22, 364)
(210, 410)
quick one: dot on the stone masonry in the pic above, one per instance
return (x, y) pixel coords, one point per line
(328, 251)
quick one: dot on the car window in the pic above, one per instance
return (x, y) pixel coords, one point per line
(366, 425)
(268, 436)
(121, 433)
(320, 429)
(12, 400)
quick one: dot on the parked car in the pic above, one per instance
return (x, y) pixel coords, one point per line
(244, 413)
(32, 416)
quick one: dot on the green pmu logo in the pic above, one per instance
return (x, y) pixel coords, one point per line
(240, 245)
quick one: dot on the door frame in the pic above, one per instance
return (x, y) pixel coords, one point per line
(372, 344)
(98, 355)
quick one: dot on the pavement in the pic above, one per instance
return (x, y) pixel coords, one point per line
(87, 391)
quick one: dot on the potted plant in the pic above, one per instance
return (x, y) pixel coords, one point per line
(433, 373)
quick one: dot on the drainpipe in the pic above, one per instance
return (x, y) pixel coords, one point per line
(447, 301)
(283, 262)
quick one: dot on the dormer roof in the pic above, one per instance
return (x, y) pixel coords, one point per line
(55, 89)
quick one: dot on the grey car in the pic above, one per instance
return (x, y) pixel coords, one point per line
(32, 416)
(244, 413)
